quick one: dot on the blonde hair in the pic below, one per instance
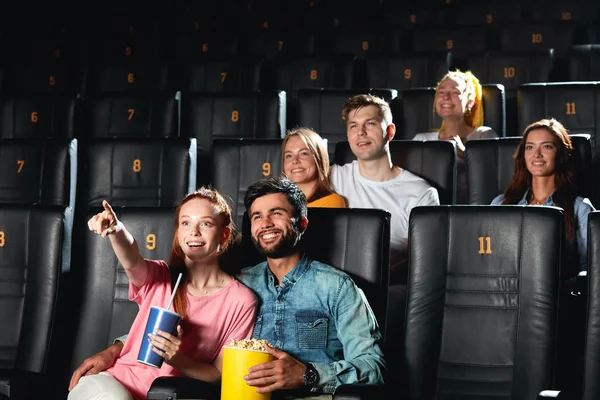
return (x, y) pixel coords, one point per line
(473, 91)
(318, 149)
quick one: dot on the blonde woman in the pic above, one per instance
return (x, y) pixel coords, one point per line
(306, 163)
(458, 102)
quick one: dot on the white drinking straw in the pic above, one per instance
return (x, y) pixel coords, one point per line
(174, 290)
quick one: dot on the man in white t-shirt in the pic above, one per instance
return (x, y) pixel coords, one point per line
(372, 181)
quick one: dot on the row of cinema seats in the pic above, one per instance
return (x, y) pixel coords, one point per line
(263, 114)
(482, 316)
(249, 34)
(398, 71)
(159, 172)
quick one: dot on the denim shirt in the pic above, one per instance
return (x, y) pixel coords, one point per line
(319, 315)
(582, 208)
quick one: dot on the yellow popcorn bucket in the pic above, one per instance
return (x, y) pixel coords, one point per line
(236, 362)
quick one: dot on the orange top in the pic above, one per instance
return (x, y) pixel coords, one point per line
(333, 200)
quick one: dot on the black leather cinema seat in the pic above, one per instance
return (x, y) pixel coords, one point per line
(238, 163)
(584, 62)
(512, 68)
(55, 78)
(589, 387)
(197, 45)
(295, 73)
(351, 239)
(241, 115)
(321, 110)
(361, 42)
(575, 104)
(136, 172)
(490, 166)
(131, 115)
(129, 77)
(462, 41)
(37, 116)
(249, 115)
(38, 171)
(406, 71)
(271, 44)
(414, 113)
(433, 160)
(103, 311)
(228, 75)
(34, 251)
(482, 307)
(541, 36)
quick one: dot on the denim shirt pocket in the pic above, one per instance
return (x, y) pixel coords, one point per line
(257, 327)
(311, 329)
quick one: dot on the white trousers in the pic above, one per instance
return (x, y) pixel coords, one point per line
(102, 386)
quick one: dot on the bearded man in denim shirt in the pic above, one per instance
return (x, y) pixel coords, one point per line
(323, 331)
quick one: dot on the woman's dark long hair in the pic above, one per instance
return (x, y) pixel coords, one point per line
(566, 188)
(177, 258)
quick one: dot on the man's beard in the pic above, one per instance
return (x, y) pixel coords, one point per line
(285, 247)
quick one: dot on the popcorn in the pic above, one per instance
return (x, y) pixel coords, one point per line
(250, 344)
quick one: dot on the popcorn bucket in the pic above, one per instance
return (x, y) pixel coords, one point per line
(236, 362)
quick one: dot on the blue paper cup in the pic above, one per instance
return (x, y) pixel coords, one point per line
(164, 320)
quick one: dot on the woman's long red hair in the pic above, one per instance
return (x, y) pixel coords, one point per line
(177, 258)
(566, 188)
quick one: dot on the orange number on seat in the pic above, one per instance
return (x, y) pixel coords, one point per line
(130, 77)
(365, 45)
(235, 116)
(127, 51)
(313, 74)
(509, 72)
(449, 44)
(52, 80)
(566, 16)
(489, 18)
(487, 249)
(279, 45)
(205, 47)
(131, 111)
(1, 238)
(223, 76)
(137, 165)
(571, 108)
(266, 169)
(407, 73)
(413, 19)
(34, 117)
(536, 38)
(20, 163)
(151, 241)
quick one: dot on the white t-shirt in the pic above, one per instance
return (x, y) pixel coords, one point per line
(482, 132)
(398, 196)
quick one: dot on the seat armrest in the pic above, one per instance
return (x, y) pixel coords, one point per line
(360, 392)
(558, 394)
(178, 387)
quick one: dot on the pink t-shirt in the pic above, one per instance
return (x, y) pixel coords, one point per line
(212, 321)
